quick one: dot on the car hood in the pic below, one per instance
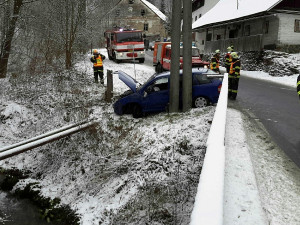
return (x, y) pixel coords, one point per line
(128, 80)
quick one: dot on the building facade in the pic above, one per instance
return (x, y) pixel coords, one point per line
(140, 15)
(199, 8)
(275, 28)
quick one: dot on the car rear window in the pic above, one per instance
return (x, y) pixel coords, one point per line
(200, 79)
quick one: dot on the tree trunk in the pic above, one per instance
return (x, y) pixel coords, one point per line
(5, 52)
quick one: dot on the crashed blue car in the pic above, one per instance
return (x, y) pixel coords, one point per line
(153, 95)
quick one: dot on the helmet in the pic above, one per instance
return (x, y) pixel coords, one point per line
(230, 49)
(217, 51)
(95, 52)
(234, 55)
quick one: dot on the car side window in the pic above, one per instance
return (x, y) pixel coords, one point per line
(200, 79)
(159, 85)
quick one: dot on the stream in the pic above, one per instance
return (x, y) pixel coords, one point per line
(15, 211)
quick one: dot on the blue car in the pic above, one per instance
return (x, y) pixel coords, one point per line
(153, 95)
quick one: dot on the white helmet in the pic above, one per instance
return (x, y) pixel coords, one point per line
(217, 51)
(234, 55)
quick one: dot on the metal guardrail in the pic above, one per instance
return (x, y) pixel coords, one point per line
(43, 139)
(208, 207)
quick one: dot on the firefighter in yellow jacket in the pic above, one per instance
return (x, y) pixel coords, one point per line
(228, 59)
(97, 60)
(234, 76)
(215, 62)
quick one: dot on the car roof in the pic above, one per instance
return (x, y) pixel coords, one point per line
(194, 70)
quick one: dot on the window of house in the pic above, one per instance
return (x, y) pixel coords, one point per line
(131, 1)
(247, 30)
(203, 42)
(146, 26)
(208, 37)
(266, 27)
(297, 26)
(218, 37)
(143, 12)
(197, 4)
(195, 18)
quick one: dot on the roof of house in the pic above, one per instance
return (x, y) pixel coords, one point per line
(226, 10)
(155, 10)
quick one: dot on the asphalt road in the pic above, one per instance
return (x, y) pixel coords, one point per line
(278, 109)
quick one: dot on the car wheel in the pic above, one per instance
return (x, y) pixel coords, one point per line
(137, 111)
(201, 102)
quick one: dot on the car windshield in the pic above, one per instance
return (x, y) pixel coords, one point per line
(129, 36)
(195, 52)
(150, 78)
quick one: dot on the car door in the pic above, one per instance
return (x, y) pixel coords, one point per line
(156, 95)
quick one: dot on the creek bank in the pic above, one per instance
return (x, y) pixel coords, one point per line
(50, 210)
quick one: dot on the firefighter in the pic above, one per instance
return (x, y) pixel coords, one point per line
(298, 84)
(228, 59)
(214, 62)
(234, 76)
(97, 59)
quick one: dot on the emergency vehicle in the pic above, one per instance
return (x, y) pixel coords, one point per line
(125, 44)
(162, 57)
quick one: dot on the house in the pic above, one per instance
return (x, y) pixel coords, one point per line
(250, 25)
(138, 14)
(199, 8)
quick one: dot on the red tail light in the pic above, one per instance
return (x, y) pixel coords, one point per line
(219, 88)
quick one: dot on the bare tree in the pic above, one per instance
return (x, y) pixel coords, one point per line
(8, 33)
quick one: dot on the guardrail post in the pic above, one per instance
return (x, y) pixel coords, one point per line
(109, 88)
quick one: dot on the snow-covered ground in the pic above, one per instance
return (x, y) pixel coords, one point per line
(156, 161)
(262, 185)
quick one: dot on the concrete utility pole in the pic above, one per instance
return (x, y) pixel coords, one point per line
(187, 56)
(175, 55)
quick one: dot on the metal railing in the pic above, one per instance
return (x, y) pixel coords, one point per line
(43, 139)
(208, 207)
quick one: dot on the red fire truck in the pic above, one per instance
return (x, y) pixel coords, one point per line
(125, 44)
(162, 57)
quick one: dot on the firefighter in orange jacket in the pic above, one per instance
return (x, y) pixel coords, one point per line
(234, 76)
(97, 60)
(228, 59)
(214, 62)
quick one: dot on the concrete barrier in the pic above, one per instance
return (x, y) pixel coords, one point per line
(208, 207)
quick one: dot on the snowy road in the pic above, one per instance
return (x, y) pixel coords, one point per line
(278, 108)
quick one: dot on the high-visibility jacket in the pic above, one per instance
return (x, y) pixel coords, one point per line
(228, 59)
(98, 62)
(214, 64)
(235, 68)
(298, 85)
